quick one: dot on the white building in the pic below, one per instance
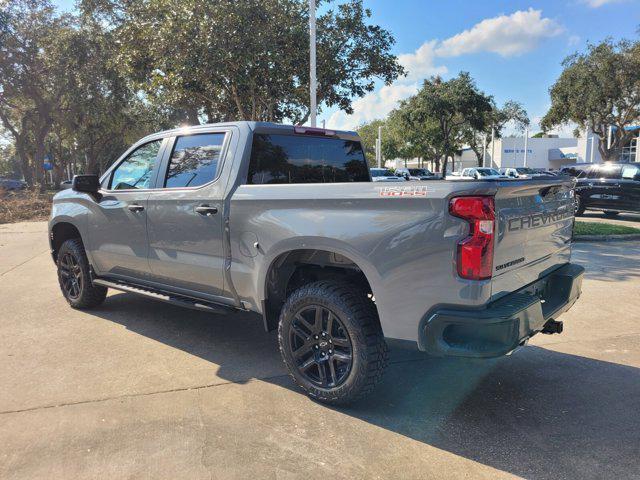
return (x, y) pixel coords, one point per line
(588, 148)
(550, 152)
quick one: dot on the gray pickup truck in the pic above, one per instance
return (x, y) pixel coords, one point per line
(284, 221)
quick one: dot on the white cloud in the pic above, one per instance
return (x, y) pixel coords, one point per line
(599, 3)
(419, 65)
(506, 35)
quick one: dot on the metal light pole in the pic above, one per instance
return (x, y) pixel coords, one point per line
(484, 150)
(526, 143)
(593, 145)
(493, 138)
(312, 60)
(379, 146)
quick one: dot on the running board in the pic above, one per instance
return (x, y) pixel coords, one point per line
(173, 298)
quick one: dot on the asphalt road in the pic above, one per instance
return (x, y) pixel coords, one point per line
(138, 389)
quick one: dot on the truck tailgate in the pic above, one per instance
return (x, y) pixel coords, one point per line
(533, 233)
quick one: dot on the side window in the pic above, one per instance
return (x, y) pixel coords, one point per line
(135, 170)
(277, 159)
(606, 172)
(631, 172)
(194, 160)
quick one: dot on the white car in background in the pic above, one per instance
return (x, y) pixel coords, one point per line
(481, 173)
(385, 175)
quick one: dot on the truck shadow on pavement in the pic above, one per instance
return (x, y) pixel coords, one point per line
(617, 263)
(537, 414)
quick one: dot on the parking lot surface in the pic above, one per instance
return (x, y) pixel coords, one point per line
(139, 389)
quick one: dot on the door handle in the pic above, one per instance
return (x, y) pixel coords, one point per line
(206, 210)
(135, 208)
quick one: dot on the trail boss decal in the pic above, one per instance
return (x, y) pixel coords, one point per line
(420, 191)
(537, 220)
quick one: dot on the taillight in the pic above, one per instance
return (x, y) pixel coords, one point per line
(475, 253)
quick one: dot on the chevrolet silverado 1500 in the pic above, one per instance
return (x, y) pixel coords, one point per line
(286, 222)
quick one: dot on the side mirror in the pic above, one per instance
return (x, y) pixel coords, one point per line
(86, 183)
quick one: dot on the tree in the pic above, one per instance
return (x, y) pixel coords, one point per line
(100, 114)
(32, 78)
(368, 133)
(248, 60)
(440, 113)
(496, 119)
(597, 90)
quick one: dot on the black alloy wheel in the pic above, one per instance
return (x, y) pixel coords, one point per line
(331, 341)
(321, 346)
(71, 277)
(74, 276)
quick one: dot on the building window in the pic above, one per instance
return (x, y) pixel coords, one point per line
(628, 153)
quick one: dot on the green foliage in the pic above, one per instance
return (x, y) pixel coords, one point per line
(230, 60)
(80, 88)
(599, 89)
(368, 133)
(593, 228)
(495, 120)
(439, 115)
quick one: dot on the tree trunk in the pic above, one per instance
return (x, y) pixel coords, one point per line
(192, 116)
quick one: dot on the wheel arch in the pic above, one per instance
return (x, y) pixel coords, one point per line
(306, 262)
(60, 232)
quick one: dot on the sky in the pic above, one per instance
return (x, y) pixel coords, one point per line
(512, 48)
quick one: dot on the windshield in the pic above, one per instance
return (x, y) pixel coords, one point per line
(381, 173)
(485, 172)
(525, 170)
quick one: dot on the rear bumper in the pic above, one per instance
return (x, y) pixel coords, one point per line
(503, 325)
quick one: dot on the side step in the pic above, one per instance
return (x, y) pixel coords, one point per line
(173, 298)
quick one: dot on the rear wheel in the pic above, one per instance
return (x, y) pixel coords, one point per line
(331, 341)
(75, 278)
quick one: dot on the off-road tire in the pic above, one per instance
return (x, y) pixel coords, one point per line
(89, 295)
(358, 315)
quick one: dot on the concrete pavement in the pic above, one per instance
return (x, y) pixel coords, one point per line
(139, 389)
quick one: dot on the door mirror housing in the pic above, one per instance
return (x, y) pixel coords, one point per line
(86, 183)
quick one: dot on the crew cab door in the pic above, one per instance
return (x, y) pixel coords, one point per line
(185, 215)
(118, 223)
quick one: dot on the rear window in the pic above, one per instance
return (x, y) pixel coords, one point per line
(277, 159)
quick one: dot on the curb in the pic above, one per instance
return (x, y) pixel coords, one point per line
(606, 238)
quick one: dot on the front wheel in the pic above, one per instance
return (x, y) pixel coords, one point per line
(331, 341)
(75, 278)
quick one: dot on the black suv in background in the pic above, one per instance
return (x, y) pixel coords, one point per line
(611, 187)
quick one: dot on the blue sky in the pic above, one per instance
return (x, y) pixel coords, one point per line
(512, 48)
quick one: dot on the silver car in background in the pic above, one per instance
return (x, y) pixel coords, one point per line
(385, 175)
